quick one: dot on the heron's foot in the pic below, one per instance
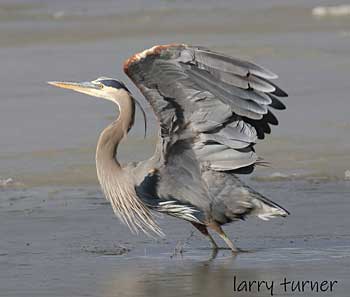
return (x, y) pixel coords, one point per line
(221, 248)
(237, 251)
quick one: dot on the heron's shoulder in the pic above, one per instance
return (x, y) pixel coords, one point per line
(156, 50)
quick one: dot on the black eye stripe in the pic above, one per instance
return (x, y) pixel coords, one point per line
(114, 84)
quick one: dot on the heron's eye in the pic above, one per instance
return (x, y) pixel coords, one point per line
(100, 86)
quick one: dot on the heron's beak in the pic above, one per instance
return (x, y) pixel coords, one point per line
(88, 88)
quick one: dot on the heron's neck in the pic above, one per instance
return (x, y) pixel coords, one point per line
(112, 135)
(117, 184)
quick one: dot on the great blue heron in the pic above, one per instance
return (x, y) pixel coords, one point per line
(211, 109)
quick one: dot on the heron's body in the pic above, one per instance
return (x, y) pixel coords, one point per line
(211, 110)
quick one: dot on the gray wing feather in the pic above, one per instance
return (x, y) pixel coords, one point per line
(227, 94)
(245, 82)
(217, 103)
(206, 58)
(236, 86)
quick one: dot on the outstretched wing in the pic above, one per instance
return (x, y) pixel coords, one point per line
(216, 105)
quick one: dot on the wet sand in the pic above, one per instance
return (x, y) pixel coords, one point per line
(66, 242)
(59, 235)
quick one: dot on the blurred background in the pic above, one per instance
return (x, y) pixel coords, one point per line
(59, 236)
(49, 135)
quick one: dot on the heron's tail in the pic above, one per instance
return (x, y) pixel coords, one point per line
(266, 209)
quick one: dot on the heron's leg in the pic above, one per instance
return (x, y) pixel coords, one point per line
(203, 229)
(213, 243)
(217, 228)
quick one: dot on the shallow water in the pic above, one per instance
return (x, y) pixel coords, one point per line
(59, 236)
(65, 241)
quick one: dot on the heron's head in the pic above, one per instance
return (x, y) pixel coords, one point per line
(102, 87)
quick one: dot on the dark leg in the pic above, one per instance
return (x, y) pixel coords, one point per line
(203, 229)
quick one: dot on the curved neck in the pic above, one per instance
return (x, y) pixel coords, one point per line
(117, 184)
(112, 135)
